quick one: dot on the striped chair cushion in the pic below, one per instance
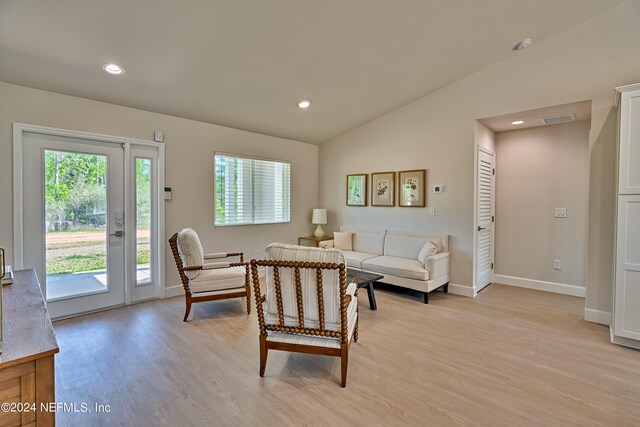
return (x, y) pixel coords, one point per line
(190, 251)
(330, 286)
(352, 315)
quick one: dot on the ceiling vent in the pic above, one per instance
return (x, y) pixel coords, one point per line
(552, 120)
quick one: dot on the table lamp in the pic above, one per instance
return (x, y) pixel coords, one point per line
(319, 217)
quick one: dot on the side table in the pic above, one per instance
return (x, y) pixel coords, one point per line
(312, 241)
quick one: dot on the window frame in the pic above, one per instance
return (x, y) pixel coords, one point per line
(240, 156)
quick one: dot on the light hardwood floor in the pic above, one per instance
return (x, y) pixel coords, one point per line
(509, 357)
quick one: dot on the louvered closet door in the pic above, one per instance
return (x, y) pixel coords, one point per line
(485, 208)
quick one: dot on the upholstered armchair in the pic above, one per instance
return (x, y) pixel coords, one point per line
(308, 306)
(211, 281)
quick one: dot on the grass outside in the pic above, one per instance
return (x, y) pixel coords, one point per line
(80, 251)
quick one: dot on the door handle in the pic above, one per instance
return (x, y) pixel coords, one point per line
(481, 228)
(118, 233)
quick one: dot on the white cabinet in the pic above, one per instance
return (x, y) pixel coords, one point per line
(627, 294)
(626, 298)
(629, 131)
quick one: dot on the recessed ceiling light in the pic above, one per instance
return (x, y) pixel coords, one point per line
(517, 122)
(523, 44)
(305, 103)
(113, 69)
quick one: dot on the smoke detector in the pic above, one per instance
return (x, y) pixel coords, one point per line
(523, 44)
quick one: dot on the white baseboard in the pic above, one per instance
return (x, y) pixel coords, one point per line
(173, 291)
(463, 290)
(597, 316)
(558, 288)
(625, 341)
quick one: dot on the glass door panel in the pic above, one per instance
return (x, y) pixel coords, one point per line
(143, 211)
(75, 225)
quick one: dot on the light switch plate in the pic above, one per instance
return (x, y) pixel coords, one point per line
(561, 212)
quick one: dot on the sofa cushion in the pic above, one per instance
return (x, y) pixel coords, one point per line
(367, 240)
(191, 251)
(355, 259)
(343, 240)
(395, 266)
(427, 250)
(407, 244)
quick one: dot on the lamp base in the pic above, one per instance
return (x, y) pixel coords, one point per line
(319, 232)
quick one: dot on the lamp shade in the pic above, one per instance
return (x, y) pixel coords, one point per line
(319, 216)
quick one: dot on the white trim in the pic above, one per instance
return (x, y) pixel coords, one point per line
(464, 290)
(597, 316)
(625, 341)
(161, 226)
(18, 224)
(173, 291)
(540, 285)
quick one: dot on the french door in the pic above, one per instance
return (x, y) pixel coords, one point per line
(89, 220)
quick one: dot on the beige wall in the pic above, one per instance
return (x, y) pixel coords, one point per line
(437, 132)
(537, 170)
(189, 165)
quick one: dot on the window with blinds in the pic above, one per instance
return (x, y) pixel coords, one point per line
(251, 191)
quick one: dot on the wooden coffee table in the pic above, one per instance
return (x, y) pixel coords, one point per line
(365, 280)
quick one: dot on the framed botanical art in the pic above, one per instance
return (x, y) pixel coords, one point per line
(412, 185)
(357, 190)
(382, 189)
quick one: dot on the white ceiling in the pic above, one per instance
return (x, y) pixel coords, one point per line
(533, 118)
(246, 63)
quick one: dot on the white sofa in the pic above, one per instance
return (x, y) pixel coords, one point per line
(394, 254)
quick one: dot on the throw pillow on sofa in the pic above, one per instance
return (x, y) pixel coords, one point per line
(427, 250)
(343, 240)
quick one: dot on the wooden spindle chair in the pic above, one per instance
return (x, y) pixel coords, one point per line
(308, 307)
(208, 282)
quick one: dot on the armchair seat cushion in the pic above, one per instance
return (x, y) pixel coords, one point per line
(355, 259)
(218, 279)
(395, 266)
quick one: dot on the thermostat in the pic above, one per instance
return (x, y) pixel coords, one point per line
(438, 188)
(167, 193)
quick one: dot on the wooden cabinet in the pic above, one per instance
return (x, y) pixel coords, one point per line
(626, 297)
(27, 359)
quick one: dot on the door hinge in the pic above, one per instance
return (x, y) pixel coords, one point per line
(493, 218)
(494, 171)
(492, 266)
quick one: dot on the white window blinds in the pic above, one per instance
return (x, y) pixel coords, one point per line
(251, 191)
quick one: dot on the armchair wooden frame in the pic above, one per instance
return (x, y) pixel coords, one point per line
(189, 298)
(321, 331)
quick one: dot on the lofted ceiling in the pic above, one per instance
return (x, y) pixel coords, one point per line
(246, 63)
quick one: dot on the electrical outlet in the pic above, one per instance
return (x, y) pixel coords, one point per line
(431, 211)
(561, 212)
(557, 264)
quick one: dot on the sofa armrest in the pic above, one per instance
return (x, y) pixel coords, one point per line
(326, 244)
(438, 264)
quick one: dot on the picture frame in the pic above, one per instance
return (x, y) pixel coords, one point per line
(357, 189)
(412, 188)
(383, 189)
